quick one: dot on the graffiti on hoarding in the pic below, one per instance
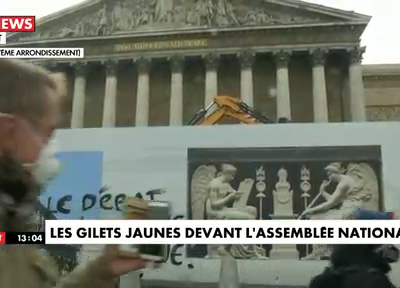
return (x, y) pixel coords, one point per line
(78, 193)
(105, 199)
(102, 200)
(175, 252)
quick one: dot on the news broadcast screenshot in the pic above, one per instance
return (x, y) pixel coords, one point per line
(293, 154)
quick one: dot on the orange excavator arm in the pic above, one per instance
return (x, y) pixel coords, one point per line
(228, 107)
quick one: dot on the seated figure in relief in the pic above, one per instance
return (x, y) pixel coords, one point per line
(212, 197)
(221, 195)
(356, 189)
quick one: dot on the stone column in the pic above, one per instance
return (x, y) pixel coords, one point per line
(78, 102)
(357, 95)
(246, 78)
(176, 104)
(282, 59)
(110, 98)
(143, 93)
(211, 78)
(320, 100)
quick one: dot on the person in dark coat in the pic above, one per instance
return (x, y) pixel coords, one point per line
(355, 266)
(360, 266)
(30, 107)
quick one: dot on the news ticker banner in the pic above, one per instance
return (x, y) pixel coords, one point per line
(200, 232)
(205, 232)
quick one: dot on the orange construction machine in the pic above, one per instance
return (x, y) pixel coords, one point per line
(226, 106)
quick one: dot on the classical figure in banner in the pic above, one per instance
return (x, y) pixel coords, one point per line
(222, 194)
(356, 189)
(283, 196)
(212, 197)
(283, 209)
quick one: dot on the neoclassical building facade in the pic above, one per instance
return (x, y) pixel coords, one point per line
(156, 63)
(382, 91)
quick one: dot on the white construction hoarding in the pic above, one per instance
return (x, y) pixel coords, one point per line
(279, 167)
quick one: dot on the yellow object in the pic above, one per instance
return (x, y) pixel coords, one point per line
(136, 209)
(227, 106)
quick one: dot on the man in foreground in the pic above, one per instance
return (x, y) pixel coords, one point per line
(362, 266)
(30, 102)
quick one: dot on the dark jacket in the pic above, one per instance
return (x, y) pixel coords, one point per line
(354, 266)
(26, 267)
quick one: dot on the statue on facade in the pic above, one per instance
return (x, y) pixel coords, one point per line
(179, 15)
(222, 17)
(251, 17)
(121, 17)
(225, 14)
(145, 15)
(257, 16)
(212, 197)
(117, 16)
(263, 18)
(79, 29)
(134, 14)
(193, 17)
(163, 10)
(102, 19)
(76, 31)
(203, 12)
(230, 12)
(210, 12)
(356, 189)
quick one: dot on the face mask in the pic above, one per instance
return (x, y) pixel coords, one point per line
(47, 167)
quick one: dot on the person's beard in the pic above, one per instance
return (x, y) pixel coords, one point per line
(18, 194)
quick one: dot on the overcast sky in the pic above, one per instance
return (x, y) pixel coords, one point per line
(381, 37)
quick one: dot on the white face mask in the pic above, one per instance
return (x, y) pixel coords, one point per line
(47, 167)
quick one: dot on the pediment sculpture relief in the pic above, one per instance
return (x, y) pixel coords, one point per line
(137, 15)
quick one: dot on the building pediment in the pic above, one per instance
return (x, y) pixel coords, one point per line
(111, 17)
